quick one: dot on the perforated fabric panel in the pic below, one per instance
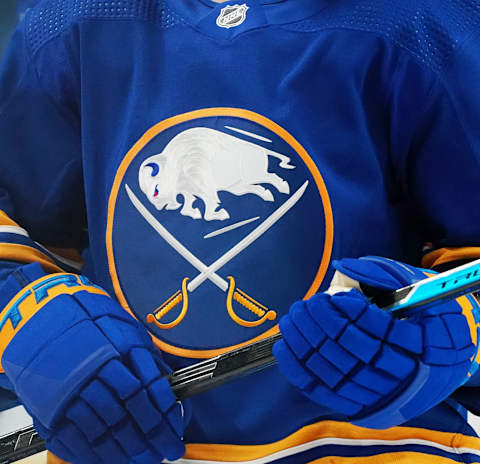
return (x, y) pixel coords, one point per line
(430, 30)
(51, 17)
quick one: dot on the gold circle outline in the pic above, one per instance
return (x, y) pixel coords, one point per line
(205, 113)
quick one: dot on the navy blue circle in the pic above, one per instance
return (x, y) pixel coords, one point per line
(276, 269)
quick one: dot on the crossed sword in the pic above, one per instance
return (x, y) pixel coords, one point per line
(210, 272)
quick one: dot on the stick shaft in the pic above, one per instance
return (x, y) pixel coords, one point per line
(255, 357)
(214, 372)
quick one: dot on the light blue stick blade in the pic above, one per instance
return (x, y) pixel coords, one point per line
(444, 286)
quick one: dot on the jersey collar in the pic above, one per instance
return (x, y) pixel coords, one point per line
(203, 14)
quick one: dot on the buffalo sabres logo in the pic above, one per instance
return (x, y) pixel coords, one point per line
(207, 203)
(232, 16)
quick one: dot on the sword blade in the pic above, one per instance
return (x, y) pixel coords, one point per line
(250, 238)
(173, 242)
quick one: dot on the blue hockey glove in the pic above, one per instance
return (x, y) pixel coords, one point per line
(347, 354)
(87, 372)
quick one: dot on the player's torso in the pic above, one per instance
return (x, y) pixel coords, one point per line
(223, 177)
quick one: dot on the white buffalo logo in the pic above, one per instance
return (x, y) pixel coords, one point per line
(200, 162)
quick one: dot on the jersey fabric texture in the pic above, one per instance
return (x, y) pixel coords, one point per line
(23, 6)
(175, 129)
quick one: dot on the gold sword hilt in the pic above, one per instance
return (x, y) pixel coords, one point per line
(168, 305)
(233, 293)
(249, 303)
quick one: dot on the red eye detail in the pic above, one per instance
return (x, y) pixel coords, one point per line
(156, 192)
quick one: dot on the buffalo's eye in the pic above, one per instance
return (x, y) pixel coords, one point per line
(155, 194)
(155, 168)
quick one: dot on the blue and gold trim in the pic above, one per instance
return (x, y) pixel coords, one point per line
(437, 259)
(27, 254)
(16, 245)
(32, 298)
(471, 312)
(387, 458)
(320, 442)
(335, 442)
(446, 258)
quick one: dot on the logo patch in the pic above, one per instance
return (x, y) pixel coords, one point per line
(218, 221)
(232, 16)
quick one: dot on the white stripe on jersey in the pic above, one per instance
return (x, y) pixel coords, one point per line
(339, 442)
(13, 230)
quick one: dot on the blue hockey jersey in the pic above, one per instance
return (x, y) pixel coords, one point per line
(154, 136)
(23, 6)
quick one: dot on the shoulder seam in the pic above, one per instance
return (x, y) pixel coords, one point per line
(378, 35)
(28, 62)
(431, 33)
(87, 17)
(31, 61)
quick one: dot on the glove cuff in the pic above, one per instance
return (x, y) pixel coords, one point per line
(33, 297)
(381, 273)
(401, 408)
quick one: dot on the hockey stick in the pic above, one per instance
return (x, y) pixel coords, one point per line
(258, 356)
(20, 444)
(252, 358)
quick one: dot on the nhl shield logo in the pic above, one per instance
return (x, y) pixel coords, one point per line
(232, 16)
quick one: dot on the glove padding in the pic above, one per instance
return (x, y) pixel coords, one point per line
(347, 354)
(88, 374)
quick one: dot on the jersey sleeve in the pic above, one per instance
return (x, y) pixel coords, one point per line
(442, 158)
(441, 171)
(41, 188)
(40, 167)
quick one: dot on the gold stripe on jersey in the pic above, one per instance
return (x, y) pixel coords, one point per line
(23, 253)
(26, 254)
(402, 457)
(447, 255)
(340, 430)
(467, 311)
(330, 429)
(52, 459)
(6, 221)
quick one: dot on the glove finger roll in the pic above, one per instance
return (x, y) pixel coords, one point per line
(290, 366)
(143, 365)
(119, 379)
(101, 400)
(306, 324)
(294, 338)
(86, 420)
